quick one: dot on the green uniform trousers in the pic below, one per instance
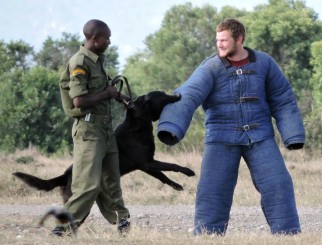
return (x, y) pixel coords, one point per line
(96, 174)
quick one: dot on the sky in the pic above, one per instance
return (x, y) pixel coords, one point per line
(131, 21)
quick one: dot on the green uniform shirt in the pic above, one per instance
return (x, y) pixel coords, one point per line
(84, 74)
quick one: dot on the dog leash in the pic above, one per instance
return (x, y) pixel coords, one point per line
(121, 79)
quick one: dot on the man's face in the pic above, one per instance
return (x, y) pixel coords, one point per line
(226, 45)
(102, 40)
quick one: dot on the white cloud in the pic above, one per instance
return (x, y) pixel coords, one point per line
(53, 24)
(62, 29)
(127, 49)
(155, 21)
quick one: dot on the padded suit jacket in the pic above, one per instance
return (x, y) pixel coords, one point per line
(239, 103)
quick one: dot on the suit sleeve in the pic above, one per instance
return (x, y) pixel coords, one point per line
(176, 117)
(283, 107)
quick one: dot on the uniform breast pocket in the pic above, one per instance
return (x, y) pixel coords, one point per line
(97, 83)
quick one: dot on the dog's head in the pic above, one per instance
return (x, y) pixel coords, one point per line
(152, 104)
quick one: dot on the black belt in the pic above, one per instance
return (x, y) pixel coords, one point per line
(246, 99)
(93, 118)
(241, 71)
(247, 127)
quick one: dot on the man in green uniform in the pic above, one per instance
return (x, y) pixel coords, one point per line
(86, 92)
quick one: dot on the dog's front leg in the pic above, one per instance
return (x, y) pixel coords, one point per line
(165, 166)
(165, 180)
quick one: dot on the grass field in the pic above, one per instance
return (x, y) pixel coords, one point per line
(141, 189)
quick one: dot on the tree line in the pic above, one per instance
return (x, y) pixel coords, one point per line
(30, 105)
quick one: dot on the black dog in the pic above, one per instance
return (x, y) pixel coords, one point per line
(135, 143)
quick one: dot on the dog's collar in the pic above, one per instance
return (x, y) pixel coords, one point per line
(129, 104)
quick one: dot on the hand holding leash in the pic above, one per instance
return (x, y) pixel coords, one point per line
(126, 100)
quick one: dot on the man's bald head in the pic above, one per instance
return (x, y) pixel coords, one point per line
(94, 28)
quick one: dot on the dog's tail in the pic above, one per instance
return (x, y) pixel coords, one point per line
(62, 216)
(41, 184)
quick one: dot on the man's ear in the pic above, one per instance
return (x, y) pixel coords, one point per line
(241, 39)
(94, 37)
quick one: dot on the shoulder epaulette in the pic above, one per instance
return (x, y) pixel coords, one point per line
(79, 59)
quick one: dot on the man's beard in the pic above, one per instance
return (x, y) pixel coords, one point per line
(230, 53)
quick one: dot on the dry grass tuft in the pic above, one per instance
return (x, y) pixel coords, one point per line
(26, 232)
(141, 189)
(14, 191)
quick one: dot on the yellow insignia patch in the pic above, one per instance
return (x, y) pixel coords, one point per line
(78, 71)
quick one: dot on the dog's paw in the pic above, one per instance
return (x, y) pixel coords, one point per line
(177, 187)
(189, 172)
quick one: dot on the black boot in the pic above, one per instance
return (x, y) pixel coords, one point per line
(123, 226)
(60, 231)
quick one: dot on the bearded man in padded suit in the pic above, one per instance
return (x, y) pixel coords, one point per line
(240, 90)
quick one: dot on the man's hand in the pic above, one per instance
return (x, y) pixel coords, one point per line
(110, 92)
(88, 100)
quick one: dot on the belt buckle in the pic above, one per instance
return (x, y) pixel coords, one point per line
(239, 72)
(246, 127)
(242, 100)
(87, 117)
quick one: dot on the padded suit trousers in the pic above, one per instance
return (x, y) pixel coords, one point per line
(218, 178)
(96, 174)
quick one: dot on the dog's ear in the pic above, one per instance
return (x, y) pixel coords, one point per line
(147, 98)
(139, 105)
(146, 102)
(140, 99)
